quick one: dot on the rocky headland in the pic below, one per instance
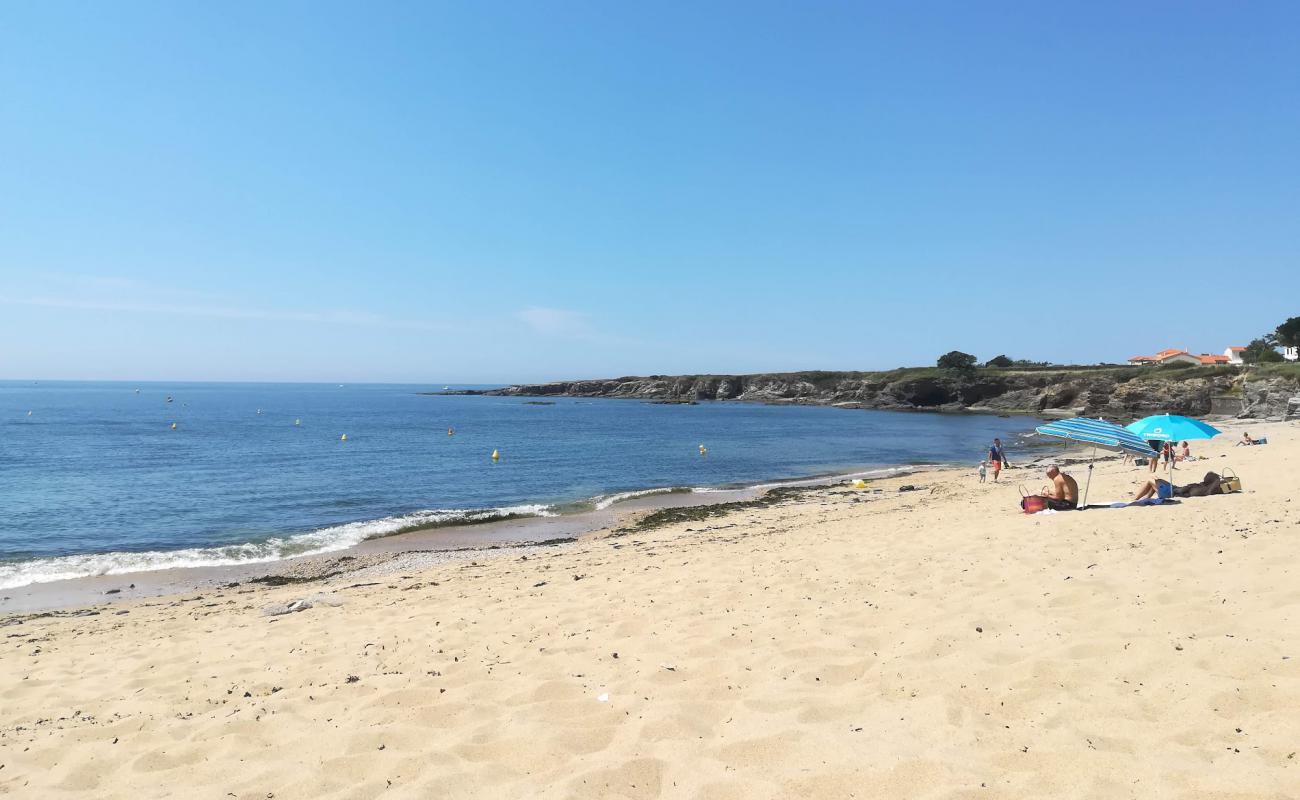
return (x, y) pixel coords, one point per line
(1112, 392)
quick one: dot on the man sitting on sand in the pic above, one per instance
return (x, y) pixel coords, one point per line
(1154, 487)
(1245, 440)
(1063, 494)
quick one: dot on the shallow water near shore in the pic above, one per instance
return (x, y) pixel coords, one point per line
(97, 481)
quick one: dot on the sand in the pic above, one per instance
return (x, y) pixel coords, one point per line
(935, 643)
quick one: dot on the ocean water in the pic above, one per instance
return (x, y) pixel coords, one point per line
(95, 480)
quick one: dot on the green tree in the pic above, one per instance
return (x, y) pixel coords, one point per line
(957, 360)
(1288, 333)
(1260, 351)
(1000, 362)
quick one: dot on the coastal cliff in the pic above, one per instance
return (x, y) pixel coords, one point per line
(1115, 392)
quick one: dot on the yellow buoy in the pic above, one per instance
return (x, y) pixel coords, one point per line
(343, 438)
(173, 426)
(703, 450)
(495, 455)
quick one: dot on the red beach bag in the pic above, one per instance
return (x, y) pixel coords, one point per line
(1031, 503)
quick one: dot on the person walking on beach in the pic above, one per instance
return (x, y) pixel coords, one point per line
(984, 470)
(997, 458)
(1156, 445)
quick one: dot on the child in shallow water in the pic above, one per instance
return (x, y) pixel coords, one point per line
(984, 470)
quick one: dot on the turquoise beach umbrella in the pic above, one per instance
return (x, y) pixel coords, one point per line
(1172, 428)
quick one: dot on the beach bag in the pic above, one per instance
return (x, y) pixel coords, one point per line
(1031, 503)
(1231, 482)
(1141, 462)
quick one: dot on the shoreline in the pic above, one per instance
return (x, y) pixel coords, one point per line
(433, 542)
(443, 539)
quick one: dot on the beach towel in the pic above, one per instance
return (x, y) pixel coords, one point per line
(1150, 501)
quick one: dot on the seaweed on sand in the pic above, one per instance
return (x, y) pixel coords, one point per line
(670, 516)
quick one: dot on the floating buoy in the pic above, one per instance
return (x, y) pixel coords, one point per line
(297, 422)
(343, 438)
(173, 426)
(495, 455)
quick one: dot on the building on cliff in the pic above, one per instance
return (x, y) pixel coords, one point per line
(1167, 356)
(1231, 356)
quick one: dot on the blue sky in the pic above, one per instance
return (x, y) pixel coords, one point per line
(489, 192)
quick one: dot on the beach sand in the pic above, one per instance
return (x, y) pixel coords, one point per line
(842, 643)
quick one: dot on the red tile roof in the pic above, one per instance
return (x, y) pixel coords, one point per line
(1161, 356)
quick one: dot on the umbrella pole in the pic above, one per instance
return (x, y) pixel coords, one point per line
(1088, 485)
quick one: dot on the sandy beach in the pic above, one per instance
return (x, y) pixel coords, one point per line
(837, 643)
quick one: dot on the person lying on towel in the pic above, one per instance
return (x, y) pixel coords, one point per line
(1063, 493)
(1154, 487)
(1211, 484)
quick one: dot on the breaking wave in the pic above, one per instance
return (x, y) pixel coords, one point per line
(341, 537)
(324, 540)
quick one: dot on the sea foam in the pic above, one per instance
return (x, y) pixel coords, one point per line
(324, 540)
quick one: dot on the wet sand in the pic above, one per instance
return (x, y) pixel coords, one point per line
(431, 544)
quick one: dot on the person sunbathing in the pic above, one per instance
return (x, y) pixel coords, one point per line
(1063, 494)
(1245, 440)
(1154, 487)
(1211, 484)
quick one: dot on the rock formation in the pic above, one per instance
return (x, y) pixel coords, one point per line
(1118, 393)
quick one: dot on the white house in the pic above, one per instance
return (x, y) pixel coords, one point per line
(1234, 355)
(1291, 353)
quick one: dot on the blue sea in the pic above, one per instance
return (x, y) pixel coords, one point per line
(94, 478)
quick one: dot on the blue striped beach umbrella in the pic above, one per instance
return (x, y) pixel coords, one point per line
(1098, 433)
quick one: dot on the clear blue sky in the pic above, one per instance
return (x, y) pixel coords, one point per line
(513, 191)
